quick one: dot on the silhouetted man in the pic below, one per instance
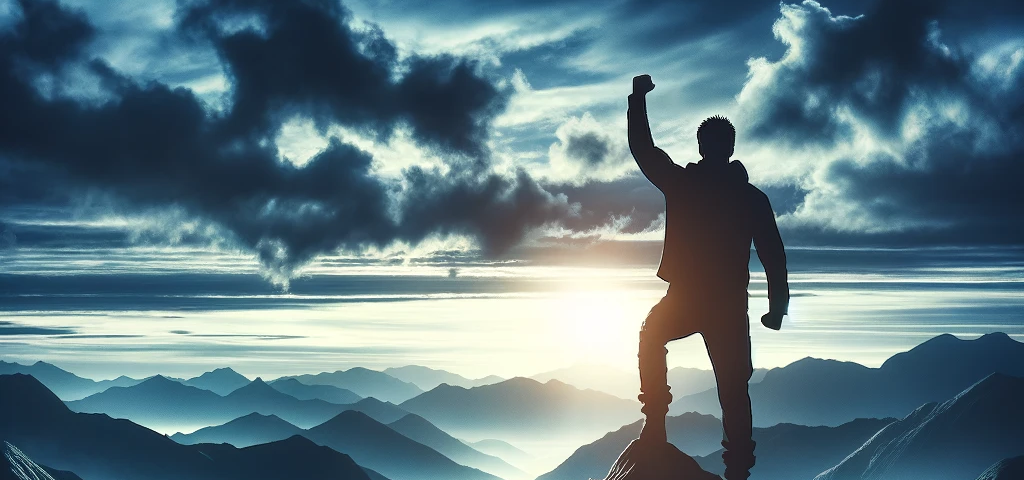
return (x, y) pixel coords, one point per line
(711, 215)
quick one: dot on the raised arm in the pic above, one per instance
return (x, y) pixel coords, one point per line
(772, 254)
(653, 161)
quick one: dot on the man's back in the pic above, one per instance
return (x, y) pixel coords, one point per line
(712, 214)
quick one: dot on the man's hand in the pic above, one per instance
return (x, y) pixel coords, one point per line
(772, 320)
(642, 84)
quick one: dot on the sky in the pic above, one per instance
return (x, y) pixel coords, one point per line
(290, 187)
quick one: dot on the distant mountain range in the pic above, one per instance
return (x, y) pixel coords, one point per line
(503, 450)
(351, 434)
(65, 385)
(428, 378)
(326, 393)
(626, 384)
(99, 447)
(521, 406)
(221, 381)
(383, 412)
(396, 456)
(828, 392)
(955, 439)
(365, 383)
(159, 402)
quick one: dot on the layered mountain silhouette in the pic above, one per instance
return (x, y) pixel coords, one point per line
(828, 392)
(156, 402)
(64, 384)
(1007, 469)
(15, 465)
(372, 444)
(796, 452)
(954, 439)
(221, 381)
(260, 397)
(365, 383)
(159, 402)
(383, 412)
(96, 446)
(376, 446)
(521, 406)
(252, 429)
(326, 393)
(691, 432)
(422, 431)
(626, 384)
(503, 450)
(294, 457)
(429, 378)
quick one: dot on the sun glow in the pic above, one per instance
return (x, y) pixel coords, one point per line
(598, 325)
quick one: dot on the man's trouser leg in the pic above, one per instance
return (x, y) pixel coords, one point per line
(664, 323)
(728, 342)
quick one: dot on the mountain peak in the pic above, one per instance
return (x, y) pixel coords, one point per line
(157, 380)
(992, 384)
(29, 397)
(256, 387)
(996, 337)
(347, 418)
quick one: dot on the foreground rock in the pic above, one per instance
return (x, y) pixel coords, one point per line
(663, 462)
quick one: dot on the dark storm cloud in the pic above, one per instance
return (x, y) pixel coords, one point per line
(945, 135)
(602, 203)
(591, 147)
(151, 145)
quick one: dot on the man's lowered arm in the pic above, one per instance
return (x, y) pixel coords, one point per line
(772, 254)
(653, 161)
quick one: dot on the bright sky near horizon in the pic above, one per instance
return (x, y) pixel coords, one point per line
(289, 187)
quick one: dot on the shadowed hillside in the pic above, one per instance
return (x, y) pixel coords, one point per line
(952, 440)
(397, 457)
(422, 431)
(96, 446)
(15, 465)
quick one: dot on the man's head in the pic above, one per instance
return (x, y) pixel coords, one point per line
(716, 137)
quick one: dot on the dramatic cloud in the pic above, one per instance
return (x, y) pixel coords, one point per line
(149, 145)
(900, 134)
(587, 152)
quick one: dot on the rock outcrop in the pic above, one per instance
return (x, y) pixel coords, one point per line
(640, 461)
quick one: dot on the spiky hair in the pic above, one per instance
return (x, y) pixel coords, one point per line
(716, 136)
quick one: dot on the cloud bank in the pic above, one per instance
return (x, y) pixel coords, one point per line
(149, 145)
(902, 135)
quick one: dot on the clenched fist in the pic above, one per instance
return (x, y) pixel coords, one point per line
(642, 84)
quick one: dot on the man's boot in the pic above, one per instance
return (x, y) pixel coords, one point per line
(738, 458)
(655, 409)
